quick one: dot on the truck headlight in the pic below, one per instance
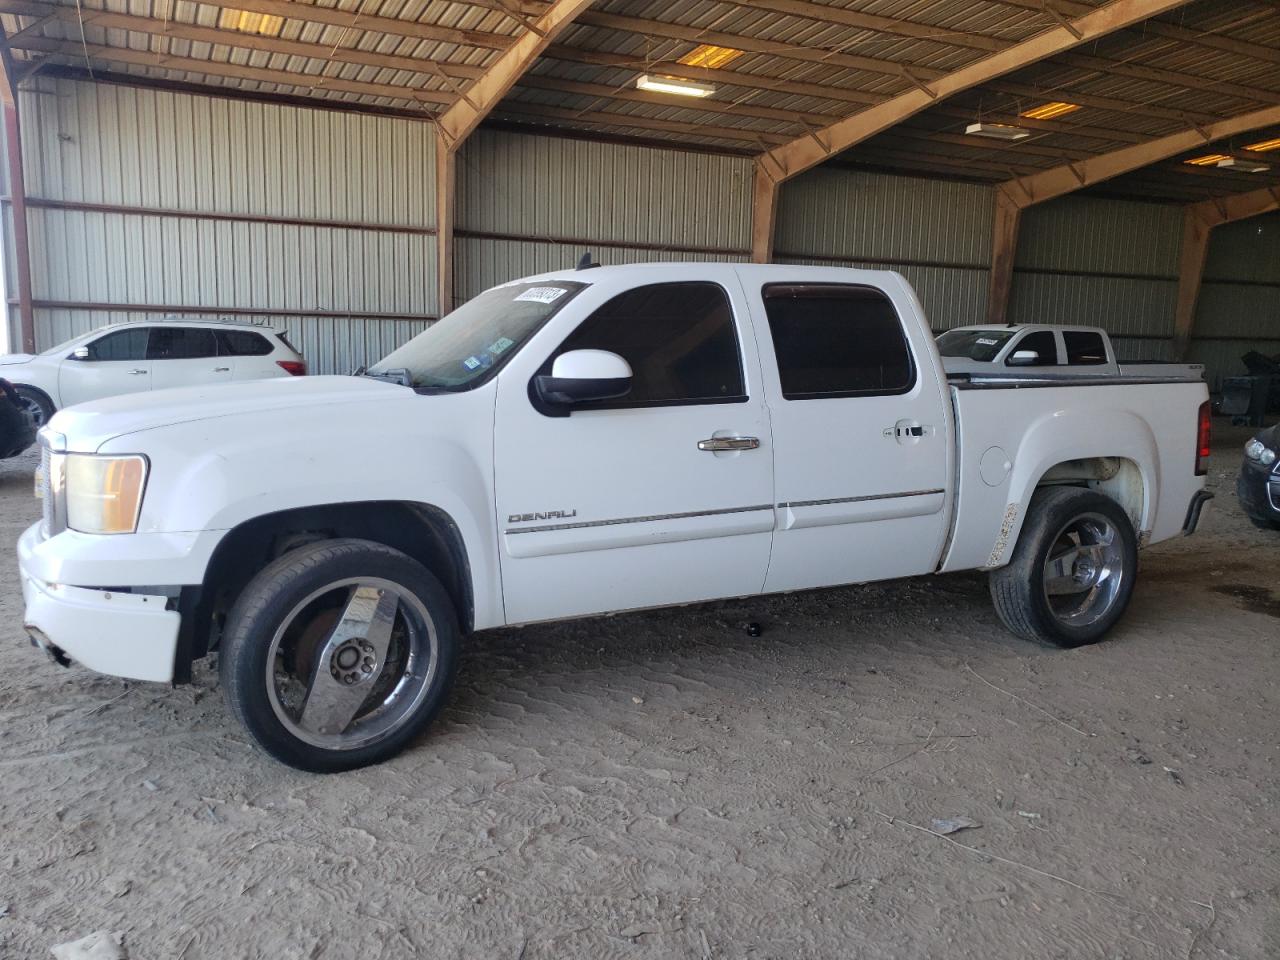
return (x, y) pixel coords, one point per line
(104, 494)
(1267, 457)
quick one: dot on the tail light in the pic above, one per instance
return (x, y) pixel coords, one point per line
(1202, 441)
(295, 368)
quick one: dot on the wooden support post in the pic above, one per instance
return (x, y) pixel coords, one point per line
(446, 205)
(1004, 248)
(764, 212)
(1195, 247)
(18, 196)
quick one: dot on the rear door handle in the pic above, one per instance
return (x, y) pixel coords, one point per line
(722, 444)
(136, 373)
(221, 369)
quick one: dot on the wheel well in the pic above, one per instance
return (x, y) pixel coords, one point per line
(1118, 478)
(425, 533)
(29, 388)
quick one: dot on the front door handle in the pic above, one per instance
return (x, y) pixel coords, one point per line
(221, 369)
(136, 373)
(723, 444)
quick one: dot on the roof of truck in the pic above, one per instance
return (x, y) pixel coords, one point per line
(1030, 326)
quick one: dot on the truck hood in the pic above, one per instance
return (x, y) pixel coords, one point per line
(11, 358)
(89, 425)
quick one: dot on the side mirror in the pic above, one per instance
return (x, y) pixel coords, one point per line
(1024, 358)
(80, 353)
(580, 376)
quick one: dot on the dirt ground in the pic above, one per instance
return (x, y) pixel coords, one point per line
(664, 785)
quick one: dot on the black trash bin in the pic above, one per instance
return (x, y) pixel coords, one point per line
(1244, 399)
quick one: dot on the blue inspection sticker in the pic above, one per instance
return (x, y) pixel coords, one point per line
(472, 363)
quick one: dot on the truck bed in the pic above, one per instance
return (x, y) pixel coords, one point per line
(1006, 447)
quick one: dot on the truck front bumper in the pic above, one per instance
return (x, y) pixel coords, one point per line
(125, 634)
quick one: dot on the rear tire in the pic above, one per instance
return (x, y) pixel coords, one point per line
(338, 654)
(36, 402)
(1072, 572)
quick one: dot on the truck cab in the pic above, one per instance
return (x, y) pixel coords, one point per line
(1051, 349)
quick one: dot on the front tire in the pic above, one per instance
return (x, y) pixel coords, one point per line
(338, 654)
(1072, 572)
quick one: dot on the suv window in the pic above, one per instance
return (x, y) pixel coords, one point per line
(678, 338)
(128, 344)
(181, 343)
(1084, 347)
(834, 340)
(1042, 342)
(242, 343)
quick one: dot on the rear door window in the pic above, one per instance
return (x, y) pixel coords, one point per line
(242, 343)
(1084, 348)
(181, 343)
(678, 338)
(837, 340)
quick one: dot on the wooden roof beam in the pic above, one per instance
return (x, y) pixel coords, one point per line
(1014, 196)
(782, 163)
(478, 99)
(1068, 178)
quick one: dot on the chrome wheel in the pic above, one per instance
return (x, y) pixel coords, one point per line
(1084, 572)
(351, 663)
(33, 409)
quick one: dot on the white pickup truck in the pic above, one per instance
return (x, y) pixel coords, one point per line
(1049, 349)
(579, 443)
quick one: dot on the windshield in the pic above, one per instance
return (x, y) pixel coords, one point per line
(973, 344)
(468, 346)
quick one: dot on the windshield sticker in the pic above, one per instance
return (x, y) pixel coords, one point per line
(471, 363)
(500, 344)
(987, 341)
(542, 294)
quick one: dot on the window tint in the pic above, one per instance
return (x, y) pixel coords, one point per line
(242, 343)
(1084, 347)
(678, 338)
(1042, 342)
(180, 343)
(122, 345)
(836, 340)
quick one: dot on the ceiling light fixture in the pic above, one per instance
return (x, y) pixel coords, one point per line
(1263, 146)
(710, 57)
(1243, 166)
(997, 131)
(1051, 110)
(264, 24)
(1208, 160)
(681, 88)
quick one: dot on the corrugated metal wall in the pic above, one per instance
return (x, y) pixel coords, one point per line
(1239, 306)
(530, 203)
(314, 220)
(936, 233)
(1110, 263)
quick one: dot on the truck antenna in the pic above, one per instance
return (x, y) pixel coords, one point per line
(586, 263)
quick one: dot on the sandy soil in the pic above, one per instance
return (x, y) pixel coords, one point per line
(664, 785)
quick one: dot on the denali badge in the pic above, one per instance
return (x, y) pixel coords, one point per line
(549, 515)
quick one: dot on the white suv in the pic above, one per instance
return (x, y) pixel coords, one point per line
(132, 357)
